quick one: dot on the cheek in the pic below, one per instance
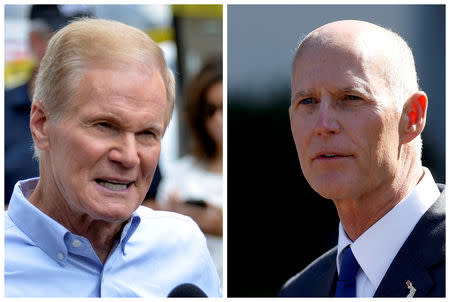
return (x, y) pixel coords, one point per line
(213, 124)
(149, 160)
(299, 134)
(378, 138)
(209, 125)
(87, 150)
(214, 129)
(79, 153)
(390, 139)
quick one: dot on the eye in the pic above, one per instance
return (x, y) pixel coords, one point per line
(104, 125)
(353, 98)
(148, 135)
(147, 132)
(306, 101)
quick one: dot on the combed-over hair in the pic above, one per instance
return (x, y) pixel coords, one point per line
(87, 43)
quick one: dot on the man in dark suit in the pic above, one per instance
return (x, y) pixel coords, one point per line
(356, 118)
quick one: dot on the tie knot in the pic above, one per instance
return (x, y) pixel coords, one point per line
(349, 266)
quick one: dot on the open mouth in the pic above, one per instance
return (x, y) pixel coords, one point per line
(113, 185)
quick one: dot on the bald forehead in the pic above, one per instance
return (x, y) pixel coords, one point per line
(362, 38)
(354, 46)
(348, 28)
(370, 46)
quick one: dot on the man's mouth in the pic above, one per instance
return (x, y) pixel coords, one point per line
(330, 155)
(113, 185)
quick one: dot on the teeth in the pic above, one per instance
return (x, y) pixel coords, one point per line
(112, 185)
(329, 155)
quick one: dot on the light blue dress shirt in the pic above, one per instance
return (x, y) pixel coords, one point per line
(157, 251)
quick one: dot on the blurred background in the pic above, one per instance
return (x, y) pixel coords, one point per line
(277, 223)
(189, 35)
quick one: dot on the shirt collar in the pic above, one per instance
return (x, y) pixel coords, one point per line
(375, 251)
(46, 233)
(129, 230)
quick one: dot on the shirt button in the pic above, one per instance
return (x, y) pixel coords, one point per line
(76, 243)
(60, 256)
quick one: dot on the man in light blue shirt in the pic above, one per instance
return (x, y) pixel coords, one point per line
(102, 100)
(156, 252)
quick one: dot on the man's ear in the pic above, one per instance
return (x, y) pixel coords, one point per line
(38, 125)
(414, 116)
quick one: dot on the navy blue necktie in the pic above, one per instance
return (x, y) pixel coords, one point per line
(346, 284)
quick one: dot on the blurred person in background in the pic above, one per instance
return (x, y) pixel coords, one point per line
(193, 185)
(19, 163)
(102, 101)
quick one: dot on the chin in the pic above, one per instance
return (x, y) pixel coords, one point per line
(330, 194)
(114, 213)
(115, 217)
(112, 208)
(332, 189)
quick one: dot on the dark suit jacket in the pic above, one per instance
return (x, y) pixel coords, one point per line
(421, 260)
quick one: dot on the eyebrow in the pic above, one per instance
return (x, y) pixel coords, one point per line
(301, 93)
(358, 88)
(362, 89)
(154, 126)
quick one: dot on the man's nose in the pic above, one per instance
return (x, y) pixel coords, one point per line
(126, 151)
(327, 120)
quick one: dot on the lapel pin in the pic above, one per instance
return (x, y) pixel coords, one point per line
(411, 288)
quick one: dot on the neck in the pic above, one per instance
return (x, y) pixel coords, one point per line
(101, 234)
(358, 215)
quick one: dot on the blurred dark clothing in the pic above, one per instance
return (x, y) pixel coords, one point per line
(58, 16)
(151, 194)
(19, 162)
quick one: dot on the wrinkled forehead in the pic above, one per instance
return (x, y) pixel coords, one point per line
(100, 82)
(323, 61)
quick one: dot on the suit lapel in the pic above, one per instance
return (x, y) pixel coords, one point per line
(414, 258)
(326, 280)
(331, 279)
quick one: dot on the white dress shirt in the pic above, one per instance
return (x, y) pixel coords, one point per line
(377, 247)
